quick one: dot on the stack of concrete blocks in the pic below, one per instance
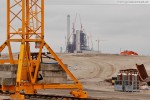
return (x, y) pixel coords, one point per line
(8, 74)
(52, 73)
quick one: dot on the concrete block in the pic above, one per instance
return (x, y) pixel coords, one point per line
(47, 66)
(7, 81)
(8, 67)
(7, 74)
(53, 73)
(50, 80)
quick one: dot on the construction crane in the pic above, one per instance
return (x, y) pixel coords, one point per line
(98, 42)
(25, 20)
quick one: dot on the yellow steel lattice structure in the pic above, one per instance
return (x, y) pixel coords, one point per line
(25, 20)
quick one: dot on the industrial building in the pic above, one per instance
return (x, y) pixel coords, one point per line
(77, 41)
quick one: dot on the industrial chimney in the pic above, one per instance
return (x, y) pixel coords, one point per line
(68, 32)
(78, 41)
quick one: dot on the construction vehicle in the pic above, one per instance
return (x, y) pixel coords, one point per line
(126, 52)
(25, 21)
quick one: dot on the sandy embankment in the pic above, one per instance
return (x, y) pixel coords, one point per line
(93, 69)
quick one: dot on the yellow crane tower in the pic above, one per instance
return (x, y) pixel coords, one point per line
(25, 20)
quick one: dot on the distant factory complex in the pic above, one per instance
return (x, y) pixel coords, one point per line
(77, 41)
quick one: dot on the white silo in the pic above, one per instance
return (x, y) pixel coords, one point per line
(78, 40)
(68, 31)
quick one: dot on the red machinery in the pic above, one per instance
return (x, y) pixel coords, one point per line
(126, 52)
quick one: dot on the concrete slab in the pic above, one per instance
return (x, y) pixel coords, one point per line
(50, 80)
(8, 67)
(47, 66)
(7, 74)
(7, 81)
(53, 73)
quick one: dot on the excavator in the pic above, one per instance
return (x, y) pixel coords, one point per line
(25, 21)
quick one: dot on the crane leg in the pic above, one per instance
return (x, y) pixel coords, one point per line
(79, 94)
(17, 96)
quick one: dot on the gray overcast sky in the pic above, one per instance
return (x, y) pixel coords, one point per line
(121, 26)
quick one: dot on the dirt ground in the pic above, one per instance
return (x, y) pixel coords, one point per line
(92, 69)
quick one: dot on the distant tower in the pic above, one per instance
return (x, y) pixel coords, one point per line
(78, 40)
(68, 32)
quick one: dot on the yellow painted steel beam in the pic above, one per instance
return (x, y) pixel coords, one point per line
(57, 86)
(20, 63)
(2, 61)
(3, 46)
(17, 96)
(10, 53)
(6, 88)
(23, 18)
(19, 33)
(8, 18)
(37, 63)
(25, 40)
(42, 18)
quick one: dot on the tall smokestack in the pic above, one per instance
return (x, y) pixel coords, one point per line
(78, 41)
(68, 31)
